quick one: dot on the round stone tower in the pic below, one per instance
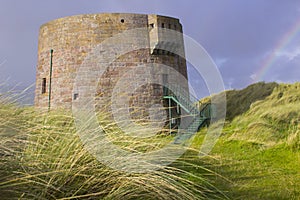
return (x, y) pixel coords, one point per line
(65, 43)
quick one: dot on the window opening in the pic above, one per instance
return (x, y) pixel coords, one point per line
(44, 82)
(76, 95)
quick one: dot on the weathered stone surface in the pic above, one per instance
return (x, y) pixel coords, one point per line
(73, 38)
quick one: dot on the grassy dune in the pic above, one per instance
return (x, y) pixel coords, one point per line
(42, 157)
(256, 157)
(259, 150)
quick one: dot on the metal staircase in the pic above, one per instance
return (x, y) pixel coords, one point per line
(198, 116)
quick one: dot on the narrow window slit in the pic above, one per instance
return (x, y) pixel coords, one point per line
(75, 96)
(44, 82)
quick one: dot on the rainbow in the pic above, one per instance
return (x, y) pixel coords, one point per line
(281, 44)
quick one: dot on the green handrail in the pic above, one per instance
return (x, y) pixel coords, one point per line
(179, 96)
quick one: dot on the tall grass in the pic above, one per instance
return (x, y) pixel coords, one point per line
(259, 150)
(42, 157)
(274, 120)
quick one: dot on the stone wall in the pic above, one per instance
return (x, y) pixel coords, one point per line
(73, 38)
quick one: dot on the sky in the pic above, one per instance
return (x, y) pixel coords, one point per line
(250, 41)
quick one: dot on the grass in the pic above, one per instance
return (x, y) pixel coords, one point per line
(253, 172)
(50, 162)
(256, 157)
(259, 152)
(239, 101)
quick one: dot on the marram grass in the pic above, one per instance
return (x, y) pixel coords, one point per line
(256, 157)
(259, 150)
(42, 157)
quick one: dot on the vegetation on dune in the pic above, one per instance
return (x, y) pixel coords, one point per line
(259, 151)
(51, 163)
(256, 157)
(239, 101)
(274, 120)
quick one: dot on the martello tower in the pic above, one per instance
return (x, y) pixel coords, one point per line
(65, 43)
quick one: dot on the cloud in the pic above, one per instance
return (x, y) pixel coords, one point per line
(285, 67)
(289, 54)
(253, 76)
(237, 34)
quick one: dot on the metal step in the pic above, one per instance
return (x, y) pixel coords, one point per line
(183, 100)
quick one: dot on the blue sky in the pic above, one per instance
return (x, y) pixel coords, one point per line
(240, 36)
